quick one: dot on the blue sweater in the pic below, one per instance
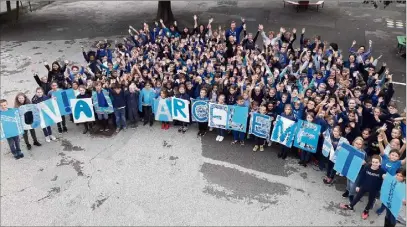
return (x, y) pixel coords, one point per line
(146, 97)
(118, 100)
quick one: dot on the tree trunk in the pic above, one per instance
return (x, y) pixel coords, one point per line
(164, 12)
(17, 9)
(8, 6)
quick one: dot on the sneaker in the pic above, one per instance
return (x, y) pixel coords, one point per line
(17, 157)
(162, 126)
(300, 162)
(21, 155)
(117, 130)
(101, 129)
(365, 214)
(60, 130)
(242, 143)
(269, 143)
(199, 133)
(379, 211)
(180, 129)
(47, 139)
(65, 129)
(217, 138)
(234, 142)
(210, 129)
(255, 148)
(52, 137)
(184, 129)
(36, 143)
(327, 180)
(85, 131)
(203, 133)
(106, 129)
(345, 206)
(221, 138)
(29, 146)
(167, 126)
(346, 194)
(261, 148)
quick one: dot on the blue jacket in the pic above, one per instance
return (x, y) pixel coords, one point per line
(235, 33)
(146, 98)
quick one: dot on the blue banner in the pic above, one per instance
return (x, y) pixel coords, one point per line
(333, 155)
(237, 118)
(349, 161)
(260, 125)
(199, 110)
(49, 112)
(307, 135)
(82, 110)
(392, 194)
(180, 109)
(10, 124)
(162, 109)
(30, 109)
(63, 97)
(99, 109)
(218, 115)
(327, 146)
(283, 131)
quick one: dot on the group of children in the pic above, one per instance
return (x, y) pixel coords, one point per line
(347, 94)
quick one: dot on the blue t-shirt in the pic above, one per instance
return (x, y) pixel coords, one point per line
(389, 166)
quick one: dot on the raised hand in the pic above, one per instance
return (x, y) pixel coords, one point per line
(195, 17)
(354, 43)
(210, 20)
(303, 30)
(260, 27)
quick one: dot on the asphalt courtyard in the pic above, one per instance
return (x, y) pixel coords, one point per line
(146, 176)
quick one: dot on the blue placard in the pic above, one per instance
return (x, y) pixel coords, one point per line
(180, 109)
(392, 194)
(237, 118)
(218, 115)
(33, 110)
(82, 110)
(327, 146)
(260, 125)
(199, 110)
(283, 131)
(10, 124)
(349, 161)
(307, 135)
(49, 112)
(102, 110)
(162, 109)
(63, 99)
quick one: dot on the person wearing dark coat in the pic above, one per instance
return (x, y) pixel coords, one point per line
(132, 104)
(57, 73)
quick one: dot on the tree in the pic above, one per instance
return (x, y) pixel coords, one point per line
(8, 3)
(164, 12)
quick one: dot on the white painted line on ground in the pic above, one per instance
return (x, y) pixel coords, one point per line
(398, 83)
(261, 175)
